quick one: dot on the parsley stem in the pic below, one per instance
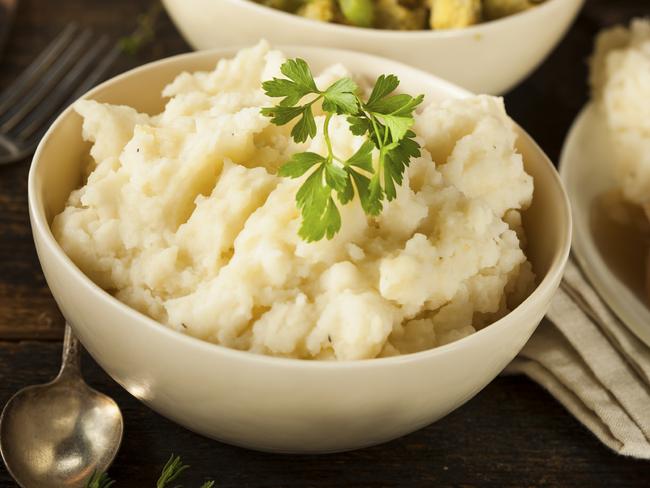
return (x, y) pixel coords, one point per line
(380, 162)
(386, 133)
(375, 128)
(326, 135)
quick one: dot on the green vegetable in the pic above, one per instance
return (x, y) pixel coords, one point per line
(286, 5)
(358, 12)
(172, 470)
(144, 33)
(384, 119)
(99, 480)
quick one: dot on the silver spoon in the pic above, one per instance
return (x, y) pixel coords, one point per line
(59, 433)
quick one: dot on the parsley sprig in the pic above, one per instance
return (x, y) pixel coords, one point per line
(170, 472)
(385, 119)
(99, 480)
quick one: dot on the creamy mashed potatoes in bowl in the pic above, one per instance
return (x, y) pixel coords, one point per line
(170, 244)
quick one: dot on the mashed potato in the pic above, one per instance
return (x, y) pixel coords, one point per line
(620, 79)
(183, 217)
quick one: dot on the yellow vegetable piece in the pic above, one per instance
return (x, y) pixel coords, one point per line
(453, 14)
(286, 5)
(391, 14)
(495, 9)
(324, 10)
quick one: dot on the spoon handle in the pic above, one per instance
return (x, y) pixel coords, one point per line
(71, 357)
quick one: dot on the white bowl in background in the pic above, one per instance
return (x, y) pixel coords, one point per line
(486, 58)
(588, 173)
(267, 403)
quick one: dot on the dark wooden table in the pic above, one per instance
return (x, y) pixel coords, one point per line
(513, 434)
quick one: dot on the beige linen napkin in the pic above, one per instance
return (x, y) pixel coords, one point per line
(592, 364)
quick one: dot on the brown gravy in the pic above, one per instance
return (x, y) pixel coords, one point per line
(622, 235)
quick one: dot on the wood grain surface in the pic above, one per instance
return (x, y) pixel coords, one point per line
(512, 434)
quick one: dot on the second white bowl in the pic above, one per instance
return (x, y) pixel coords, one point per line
(486, 58)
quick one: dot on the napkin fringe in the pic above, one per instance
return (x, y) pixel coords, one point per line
(593, 365)
(569, 400)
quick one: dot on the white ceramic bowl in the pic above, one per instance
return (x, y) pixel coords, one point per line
(270, 403)
(486, 58)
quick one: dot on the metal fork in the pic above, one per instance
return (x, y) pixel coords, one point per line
(72, 64)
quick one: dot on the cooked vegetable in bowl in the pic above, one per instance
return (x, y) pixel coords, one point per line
(489, 57)
(403, 14)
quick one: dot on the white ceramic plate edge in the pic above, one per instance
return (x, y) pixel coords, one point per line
(585, 174)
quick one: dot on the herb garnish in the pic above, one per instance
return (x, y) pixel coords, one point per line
(385, 119)
(99, 480)
(172, 470)
(144, 32)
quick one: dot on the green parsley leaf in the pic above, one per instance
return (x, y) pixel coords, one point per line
(401, 104)
(298, 71)
(300, 83)
(341, 97)
(323, 223)
(397, 126)
(312, 192)
(375, 195)
(371, 204)
(384, 85)
(396, 113)
(363, 157)
(306, 126)
(359, 124)
(278, 87)
(347, 194)
(396, 161)
(336, 177)
(320, 217)
(281, 115)
(299, 164)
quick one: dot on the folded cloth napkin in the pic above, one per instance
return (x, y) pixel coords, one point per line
(592, 364)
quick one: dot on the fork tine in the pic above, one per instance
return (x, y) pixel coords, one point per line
(32, 135)
(47, 82)
(32, 73)
(98, 73)
(73, 79)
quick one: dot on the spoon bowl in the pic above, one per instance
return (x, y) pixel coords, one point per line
(59, 433)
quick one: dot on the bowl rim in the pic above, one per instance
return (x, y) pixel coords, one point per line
(476, 29)
(41, 227)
